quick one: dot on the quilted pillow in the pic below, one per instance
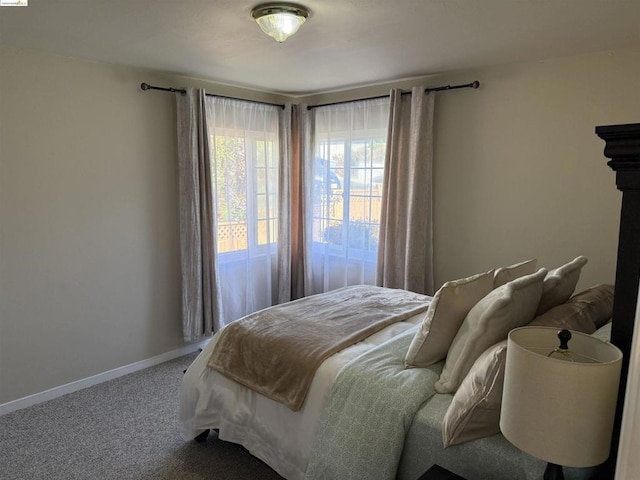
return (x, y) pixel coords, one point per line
(584, 312)
(474, 411)
(507, 307)
(507, 274)
(447, 310)
(560, 284)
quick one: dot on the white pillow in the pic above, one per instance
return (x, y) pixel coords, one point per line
(447, 311)
(507, 274)
(474, 411)
(507, 307)
(560, 284)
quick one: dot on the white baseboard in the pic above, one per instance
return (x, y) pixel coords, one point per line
(99, 378)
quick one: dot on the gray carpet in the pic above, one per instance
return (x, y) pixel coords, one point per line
(122, 429)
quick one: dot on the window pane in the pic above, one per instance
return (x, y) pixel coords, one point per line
(262, 206)
(230, 177)
(245, 178)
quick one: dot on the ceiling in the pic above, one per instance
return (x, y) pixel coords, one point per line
(344, 43)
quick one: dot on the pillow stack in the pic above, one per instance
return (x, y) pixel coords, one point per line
(468, 323)
(507, 307)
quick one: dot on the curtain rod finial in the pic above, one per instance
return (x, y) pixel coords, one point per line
(144, 86)
(475, 84)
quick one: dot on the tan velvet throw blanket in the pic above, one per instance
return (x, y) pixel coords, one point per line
(277, 351)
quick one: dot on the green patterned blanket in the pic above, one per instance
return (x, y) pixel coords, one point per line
(368, 412)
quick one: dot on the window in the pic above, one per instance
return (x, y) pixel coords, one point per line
(348, 172)
(244, 143)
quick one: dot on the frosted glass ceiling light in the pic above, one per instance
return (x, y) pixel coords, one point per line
(279, 20)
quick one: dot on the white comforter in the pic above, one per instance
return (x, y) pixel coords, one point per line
(271, 431)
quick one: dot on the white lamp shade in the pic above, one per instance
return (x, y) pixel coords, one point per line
(558, 410)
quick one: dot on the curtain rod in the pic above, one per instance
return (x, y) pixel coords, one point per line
(474, 84)
(146, 86)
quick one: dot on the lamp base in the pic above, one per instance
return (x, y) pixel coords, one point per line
(553, 472)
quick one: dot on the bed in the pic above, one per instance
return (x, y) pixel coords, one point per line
(366, 414)
(286, 439)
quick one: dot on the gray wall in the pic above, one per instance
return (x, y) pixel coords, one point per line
(519, 172)
(89, 277)
(89, 257)
(522, 174)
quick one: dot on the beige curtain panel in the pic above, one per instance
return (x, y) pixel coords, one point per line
(197, 241)
(405, 251)
(299, 153)
(284, 206)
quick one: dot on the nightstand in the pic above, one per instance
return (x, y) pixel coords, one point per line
(437, 472)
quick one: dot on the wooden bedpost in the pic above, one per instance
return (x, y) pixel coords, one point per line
(623, 148)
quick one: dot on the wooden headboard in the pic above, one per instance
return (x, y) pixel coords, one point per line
(623, 148)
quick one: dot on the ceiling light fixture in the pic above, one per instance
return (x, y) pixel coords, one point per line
(279, 20)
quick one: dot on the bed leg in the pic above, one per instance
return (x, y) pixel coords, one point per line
(553, 472)
(202, 437)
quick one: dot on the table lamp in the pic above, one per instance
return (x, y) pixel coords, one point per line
(559, 397)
